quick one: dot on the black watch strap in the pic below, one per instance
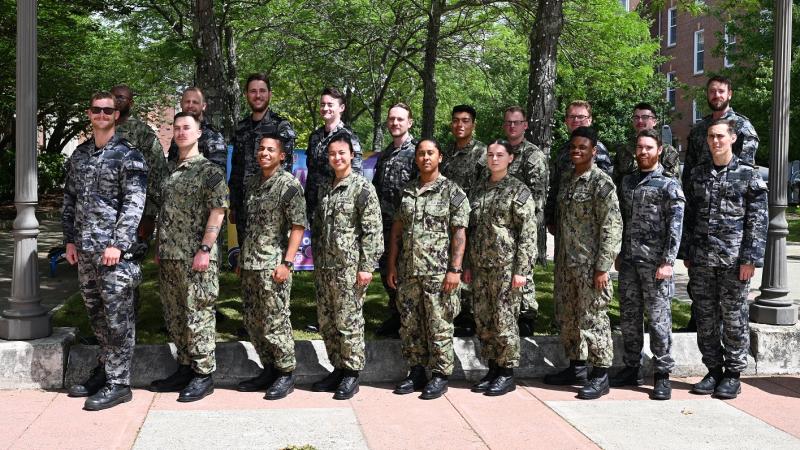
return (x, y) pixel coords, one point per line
(289, 264)
(452, 269)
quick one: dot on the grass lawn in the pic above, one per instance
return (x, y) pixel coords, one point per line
(793, 218)
(150, 327)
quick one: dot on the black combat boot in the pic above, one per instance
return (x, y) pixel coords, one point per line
(503, 383)
(262, 381)
(436, 387)
(348, 387)
(283, 386)
(390, 327)
(709, 382)
(729, 387)
(572, 375)
(596, 386)
(526, 326)
(96, 380)
(483, 384)
(329, 383)
(662, 389)
(108, 396)
(200, 387)
(629, 376)
(415, 381)
(175, 382)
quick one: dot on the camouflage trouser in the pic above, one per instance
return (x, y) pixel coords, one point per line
(638, 288)
(266, 317)
(188, 297)
(108, 296)
(496, 312)
(383, 269)
(721, 299)
(340, 303)
(585, 328)
(426, 318)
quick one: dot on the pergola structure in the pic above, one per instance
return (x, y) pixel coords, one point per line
(25, 318)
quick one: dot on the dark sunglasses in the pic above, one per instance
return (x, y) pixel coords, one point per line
(98, 110)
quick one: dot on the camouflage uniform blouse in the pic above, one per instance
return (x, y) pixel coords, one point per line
(141, 136)
(192, 190)
(502, 226)
(104, 196)
(347, 230)
(625, 162)
(395, 167)
(725, 223)
(530, 167)
(652, 214)
(428, 216)
(589, 221)
(464, 165)
(275, 205)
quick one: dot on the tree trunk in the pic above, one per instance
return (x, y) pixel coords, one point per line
(377, 125)
(543, 40)
(429, 99)
(212, 73)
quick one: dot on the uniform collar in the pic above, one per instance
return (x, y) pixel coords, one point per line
(93, 148)
(465, 148)
(188, 162)
(584, 175)
(405, 144)
(343, 183)
(413, 187)
(657, 173)
(264, 182)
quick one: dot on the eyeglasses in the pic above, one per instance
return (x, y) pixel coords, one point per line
(580, 118)
(514, 123)
(642, 118)
(97, 110)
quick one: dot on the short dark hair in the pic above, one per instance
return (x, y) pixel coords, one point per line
(731, 124)
(515, 108)
(432, 140)
(645, 106)
(258, 76)
(275, 136)
(333, 92)
(402, 105)
(651, 133)
(585, 132)
(186, 114)
(464, 108)
(503, 143)
(195, 89)
(100, 96)
(720, 79)
(341, 136)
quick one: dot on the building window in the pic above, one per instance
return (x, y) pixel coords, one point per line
(730, 46)
(697, 115)
(671, 89)
(699, 52)
(625, 4)
(672, 26)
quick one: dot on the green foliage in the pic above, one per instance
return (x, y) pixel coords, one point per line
(7, 164)
(51, 171)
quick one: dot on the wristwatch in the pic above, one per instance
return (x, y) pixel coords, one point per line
(289, 265)
(452, 269)
(204, 248)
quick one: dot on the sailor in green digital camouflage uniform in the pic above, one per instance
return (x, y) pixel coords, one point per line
(275, 230)
(501, 250)
(430, 228)
(194, 202)
(347, 239)
(589, 230)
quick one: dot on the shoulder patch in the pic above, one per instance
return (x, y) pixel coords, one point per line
(522, 196)
(658, 182)
(289, 194)
(214, 180)
(458, 198)
(363, 197)
(606, 189)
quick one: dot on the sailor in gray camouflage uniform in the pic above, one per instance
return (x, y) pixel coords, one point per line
(244, 164)
(394, 169)
(501, 250)
(104, 197)
(347, 242)
(277, 222)
(212, 143)
(652, 206)
(724, 234)
(425, 265)
(195, 197)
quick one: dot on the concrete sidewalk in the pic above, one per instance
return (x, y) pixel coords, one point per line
(766, 415)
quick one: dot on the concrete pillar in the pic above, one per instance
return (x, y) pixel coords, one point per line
(25, 317)
(775, 306)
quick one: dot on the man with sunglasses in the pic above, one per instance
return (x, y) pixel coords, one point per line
(104, 198)
(643, 118)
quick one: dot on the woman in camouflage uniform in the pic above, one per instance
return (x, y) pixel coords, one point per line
(347, 238)
(500, 255)
(431, 224)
